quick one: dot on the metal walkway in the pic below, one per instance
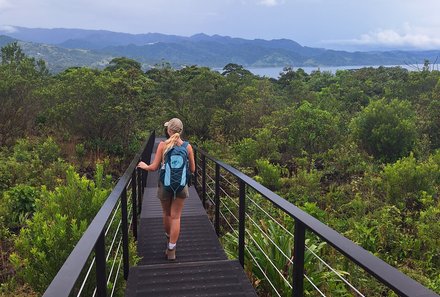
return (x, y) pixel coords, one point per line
(201, 267)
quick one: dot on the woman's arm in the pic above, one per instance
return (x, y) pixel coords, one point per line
(192, 162)
(156, 162)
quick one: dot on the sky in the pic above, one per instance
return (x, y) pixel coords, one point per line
(337, 24)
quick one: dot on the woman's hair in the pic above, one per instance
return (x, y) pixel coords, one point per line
(166, 132)
(169, 143)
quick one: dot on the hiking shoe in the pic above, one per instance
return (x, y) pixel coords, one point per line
(171, 254)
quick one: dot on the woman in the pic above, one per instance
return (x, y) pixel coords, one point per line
(172, 204)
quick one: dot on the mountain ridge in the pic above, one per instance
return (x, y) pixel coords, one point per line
(63, 48)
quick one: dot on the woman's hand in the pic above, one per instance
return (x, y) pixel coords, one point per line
(142, 165)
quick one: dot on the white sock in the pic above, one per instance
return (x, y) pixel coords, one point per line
(171, 245)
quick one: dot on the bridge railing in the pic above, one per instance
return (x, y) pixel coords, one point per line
(232, 197)
(93, 267)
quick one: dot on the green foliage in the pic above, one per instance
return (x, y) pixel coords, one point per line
(268, 174)
(267, 257)
(246, 152)
(301, 122)
(429, 236)
(43, 246)
(100, 108)
(344, 162)
(236, 71)
(406, 179)
(386, 130)
(268, 144)
(31, 162)
(48, 151)
(21, 79)
(123, 63)
(80, 152)
(61, 216)
(312, 130)
(18, 204)
(216, 148)
(12, 54)
(303, 187)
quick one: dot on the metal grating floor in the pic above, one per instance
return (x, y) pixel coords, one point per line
(201, 267)
(219, 278)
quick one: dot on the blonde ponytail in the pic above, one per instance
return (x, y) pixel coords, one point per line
(169, 143)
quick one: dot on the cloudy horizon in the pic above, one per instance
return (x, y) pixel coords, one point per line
(339, 24)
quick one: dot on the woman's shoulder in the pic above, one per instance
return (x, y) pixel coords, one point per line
(188, 146)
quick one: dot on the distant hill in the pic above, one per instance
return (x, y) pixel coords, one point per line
(57, 58)
(63, 48)
(4, 40)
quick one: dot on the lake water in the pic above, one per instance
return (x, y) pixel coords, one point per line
(274, 72)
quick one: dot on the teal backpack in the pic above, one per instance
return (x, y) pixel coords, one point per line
(175, 171)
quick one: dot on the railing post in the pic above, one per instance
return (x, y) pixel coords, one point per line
(144, 180)
(134, 204)
(139, 192)
(204, 180)
(196, 171)
(101, 276)
(241, 221)
(217, 199)
(298, 259)
(125, 232)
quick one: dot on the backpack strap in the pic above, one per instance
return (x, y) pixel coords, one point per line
(185, 144)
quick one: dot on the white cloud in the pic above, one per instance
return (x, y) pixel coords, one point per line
(408, 37)
(7, 29)
(271, 2)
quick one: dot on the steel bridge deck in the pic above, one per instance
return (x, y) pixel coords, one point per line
(201, 267)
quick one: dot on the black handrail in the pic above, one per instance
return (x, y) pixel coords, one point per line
(93, 238)
(383, 272)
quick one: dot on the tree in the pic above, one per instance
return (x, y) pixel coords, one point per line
(101, 108)
(236, 70)
(124, 64)
(20, 81)
(198, 98)
(312, 130)
(12, 54)
(294, 83)
(385, 130)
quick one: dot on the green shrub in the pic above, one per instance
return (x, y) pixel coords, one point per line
(268, 174)
(303, 187)
(18, 203)
(61, 217)
(428, 233)
(48, 151)
(273, 262)
(32, 162)
(386, 130)
(406, 179)
(246, 152)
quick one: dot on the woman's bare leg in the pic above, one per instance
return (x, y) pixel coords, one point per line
(166, 215)
(176, 212)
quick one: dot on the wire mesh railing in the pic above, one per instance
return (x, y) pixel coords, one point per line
(99, 263)
(268, 236)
